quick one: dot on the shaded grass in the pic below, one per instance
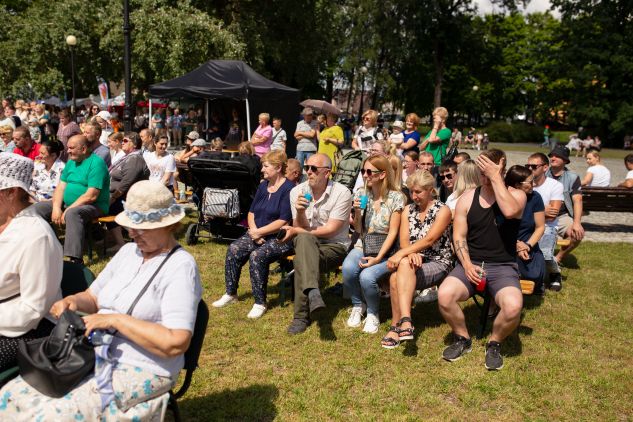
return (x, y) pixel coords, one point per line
(570, 359)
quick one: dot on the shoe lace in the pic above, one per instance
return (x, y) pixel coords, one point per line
(494, 350)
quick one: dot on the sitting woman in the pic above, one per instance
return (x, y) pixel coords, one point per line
(161, 164)
(377, 209)
(597, 174)
(425, 257)
(216, 152)
(529, 256)
(115, 143)
(247, 157)
(269, 212)
(48, 170)
(467, 178)
(31, 262)
(134, 372)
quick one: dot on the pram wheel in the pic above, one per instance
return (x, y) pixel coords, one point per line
(191, 236)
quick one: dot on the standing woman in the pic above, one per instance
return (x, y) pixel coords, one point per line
(269, 212)
(368, 132)
(161, 164)
(411, 134)
(263, 136)
(331, 140)
(437, 139)
(381, 215)
(48, 170)
(43, 120)
(158, 123)
(425, 256)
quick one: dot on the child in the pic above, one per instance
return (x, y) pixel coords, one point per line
(396, 138)
(279, 136)
(34, 129)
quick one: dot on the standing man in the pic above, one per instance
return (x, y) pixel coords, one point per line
(569, 226)
(93, 134)
(82, 195)
(305, 134)
(24, 145)
(484, 233)
(552, 193)
(320, 213)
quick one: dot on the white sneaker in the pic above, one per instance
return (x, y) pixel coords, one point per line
(356, 316)
(372, 323)
(224, 300)
(257, 311)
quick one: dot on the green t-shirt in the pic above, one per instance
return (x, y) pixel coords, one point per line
(90, 173)
(438, 149)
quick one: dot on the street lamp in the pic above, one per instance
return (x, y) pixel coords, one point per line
(363, 71)
(475, 89)
(71, 40)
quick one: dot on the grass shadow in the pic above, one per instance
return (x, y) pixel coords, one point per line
(252, 403)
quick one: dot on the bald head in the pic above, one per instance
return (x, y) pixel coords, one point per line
(78, 148)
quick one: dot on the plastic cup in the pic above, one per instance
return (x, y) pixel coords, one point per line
(363, 201)
(482, 283)
(307, 196)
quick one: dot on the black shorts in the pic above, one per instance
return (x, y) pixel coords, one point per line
(498, 276)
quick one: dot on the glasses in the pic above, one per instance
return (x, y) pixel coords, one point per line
(534, 166)
(314, 169)
(370, 172)
(125, 140)
(366, 118)
(447, 176)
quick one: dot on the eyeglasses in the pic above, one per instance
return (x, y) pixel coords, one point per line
(370, 172)
(447, 176)
(125, 140)
(314, 169)
(534, 166)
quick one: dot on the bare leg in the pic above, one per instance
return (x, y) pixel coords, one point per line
(395, 309)
(405, 278)
(510, 302)
(451, 292)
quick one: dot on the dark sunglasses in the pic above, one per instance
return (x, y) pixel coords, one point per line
(447, 176)
(534, 166)
(314, 169)
(125, 140)
(369, 172)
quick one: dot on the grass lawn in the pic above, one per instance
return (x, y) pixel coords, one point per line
(570, 360)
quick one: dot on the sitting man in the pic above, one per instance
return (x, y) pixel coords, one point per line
(478, 237)
(24, 144)
(628, 181)
(320, 213)
(93, 134)
(82, 195)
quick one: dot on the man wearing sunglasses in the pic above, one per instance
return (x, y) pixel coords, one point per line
(447, 176)
(320, 214)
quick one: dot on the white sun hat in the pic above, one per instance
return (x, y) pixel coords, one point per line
(149, 205)
(15, 171)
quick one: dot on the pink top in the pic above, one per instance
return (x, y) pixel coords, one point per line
(266, 132)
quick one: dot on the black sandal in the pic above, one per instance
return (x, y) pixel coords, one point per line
(389, 342)
(406, 333)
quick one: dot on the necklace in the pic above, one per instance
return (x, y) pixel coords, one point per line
(276, 185)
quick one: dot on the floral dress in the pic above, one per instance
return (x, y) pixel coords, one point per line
(45, 181)
(440, 250)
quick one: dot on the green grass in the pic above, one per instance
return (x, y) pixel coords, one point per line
(570, 359)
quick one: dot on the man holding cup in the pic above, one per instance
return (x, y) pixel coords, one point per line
(485, 228)
(320, 213)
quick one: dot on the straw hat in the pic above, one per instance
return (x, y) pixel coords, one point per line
(149, 205)
(15, 171)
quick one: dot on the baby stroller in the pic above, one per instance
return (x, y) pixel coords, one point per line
(225, 190)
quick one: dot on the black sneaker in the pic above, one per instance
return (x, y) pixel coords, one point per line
(556, 282)
(456, 350)
(494, 361)
(298, 326)
(315, 301)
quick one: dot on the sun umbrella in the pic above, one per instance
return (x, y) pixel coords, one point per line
(321, 106)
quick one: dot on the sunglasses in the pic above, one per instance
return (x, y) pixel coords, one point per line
(447, 176)
(370, 172)
(125, 140)
(533, 166)
(314, 169)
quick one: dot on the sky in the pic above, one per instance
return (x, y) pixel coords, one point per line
(534, 6)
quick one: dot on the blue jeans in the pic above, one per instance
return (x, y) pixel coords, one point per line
(547, 245)
(362, 283)
(302, 156)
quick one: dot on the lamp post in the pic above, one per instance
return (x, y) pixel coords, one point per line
(363, 71)
(128, 111)
(475, 89)
(71, 40)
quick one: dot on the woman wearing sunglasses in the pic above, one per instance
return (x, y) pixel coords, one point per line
(377, 209)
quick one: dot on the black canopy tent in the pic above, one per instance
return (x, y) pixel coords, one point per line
(235, 80)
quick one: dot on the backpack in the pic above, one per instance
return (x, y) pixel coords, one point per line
(224, 203)
(348, 168)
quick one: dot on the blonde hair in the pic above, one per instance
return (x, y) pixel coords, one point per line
(382, 164)
(442, 112)
(246, 148)
(217, 144)
(422, 179)
(276, 158)
(594, 153)
(396, 165)
(265, 116)
(467, 177)
(373, 116)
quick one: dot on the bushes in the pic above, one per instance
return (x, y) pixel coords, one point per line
(514, 132)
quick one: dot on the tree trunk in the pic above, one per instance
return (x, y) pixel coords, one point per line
(349, 91)
(438, 61)
(329, 87)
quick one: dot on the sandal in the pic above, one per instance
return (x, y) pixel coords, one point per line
(406, 333)
(390, 342)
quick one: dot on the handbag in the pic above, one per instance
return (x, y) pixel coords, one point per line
(222, 203)
(372, 242)
(56, 364)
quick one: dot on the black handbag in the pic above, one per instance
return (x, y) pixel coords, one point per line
(56, 364)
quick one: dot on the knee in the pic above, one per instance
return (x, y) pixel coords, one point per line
(367, 280)
(446, 296)
(512, 307)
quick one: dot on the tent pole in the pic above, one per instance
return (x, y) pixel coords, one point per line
(206, 106)
(248, 120)
(149, 123)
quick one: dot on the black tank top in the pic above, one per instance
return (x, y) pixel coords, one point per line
(490, 236)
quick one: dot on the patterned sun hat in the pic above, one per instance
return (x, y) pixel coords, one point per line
(149, 205)
(15, 171)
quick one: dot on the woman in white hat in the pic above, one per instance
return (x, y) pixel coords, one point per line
(138, 355)
(32, 261)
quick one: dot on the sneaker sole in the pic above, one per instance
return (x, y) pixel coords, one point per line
(222, 305)
(353, 326)
(493, 369)
(406, 338)
(458, 357)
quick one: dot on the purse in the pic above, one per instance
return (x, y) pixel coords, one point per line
(372, 242)
(56, 364)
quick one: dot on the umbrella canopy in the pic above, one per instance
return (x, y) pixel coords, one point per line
(321, 106)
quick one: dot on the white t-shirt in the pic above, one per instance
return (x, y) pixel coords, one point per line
(370, 135)
(279, 140)
(629, 175)
(32, 259)
(116, 156)
(158, 166)
(601, 176)
(171, 300)
(451, 201)
(105, 134)
(551, 190)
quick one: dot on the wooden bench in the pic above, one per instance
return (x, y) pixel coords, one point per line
(607, 199)
(527, 288)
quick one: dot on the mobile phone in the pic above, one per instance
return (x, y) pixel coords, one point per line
(281, 234)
